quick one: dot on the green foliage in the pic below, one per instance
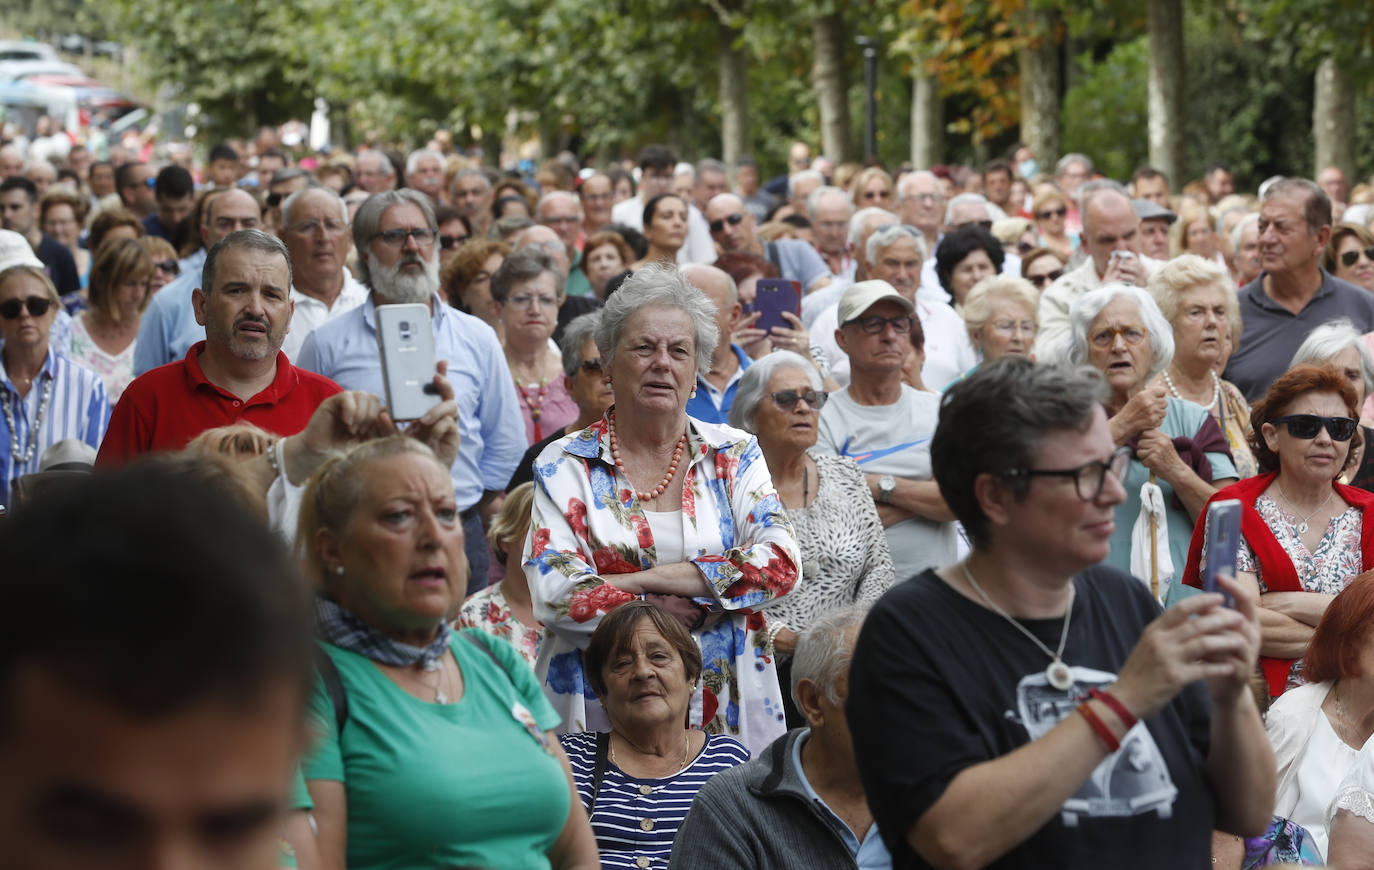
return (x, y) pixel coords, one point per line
(1105, 116)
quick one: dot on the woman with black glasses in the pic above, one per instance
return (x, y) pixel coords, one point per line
(1350, 255)
(1304, 536)
(1050, 210)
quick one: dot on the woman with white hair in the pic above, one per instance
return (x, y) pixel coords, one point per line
(1002, 317)
(1177, 446)
(1338, 344)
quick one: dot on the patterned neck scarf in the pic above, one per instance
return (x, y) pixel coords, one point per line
(344, 630)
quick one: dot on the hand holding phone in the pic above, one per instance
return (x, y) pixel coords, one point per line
(405, 343)
(772, 297)
(1223, 543)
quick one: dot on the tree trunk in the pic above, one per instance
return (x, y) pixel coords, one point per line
(1333, 120)
(927, 119)
(1166, 88)
(829, 36)
(1039, 62)
(734, 97)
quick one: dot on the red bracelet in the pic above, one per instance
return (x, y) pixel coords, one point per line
(1099, 727)
(1115, 706)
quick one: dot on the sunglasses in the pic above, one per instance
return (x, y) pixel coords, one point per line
(733, 220)
(1306, 426)
(1048, 278)
(874, 325)
(1132, 335)
(1349, 258)
(877, 194)
(987, 225)
(1052, 212)
(1024, 247)
(447, 242)
(591, 366)
(169, 266)
(788, 399)
(37, 305)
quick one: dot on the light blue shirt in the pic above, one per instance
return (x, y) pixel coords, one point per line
(168, 328)
(872, 853)
(489, 421)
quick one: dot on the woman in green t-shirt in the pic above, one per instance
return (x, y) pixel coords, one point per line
(434, 748)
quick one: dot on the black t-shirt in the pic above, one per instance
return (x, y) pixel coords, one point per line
(572, 307)
(939, 683)
(59, 264)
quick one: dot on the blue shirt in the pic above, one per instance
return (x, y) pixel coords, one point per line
(712, 405)
(168, 328)
(489, 421)
(871, 854)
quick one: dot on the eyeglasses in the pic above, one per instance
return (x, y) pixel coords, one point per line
(1306, 426)
(541, 301)
(1132, 335)
(1048, 278)
(171, 267)
(1088, 478)
(987, 225)
(1012, 327)
(1052, 212)
(1024, 247)
(37, 305)
(1349, 258)
(875, 324)
(550, 221)
(925, 198)
(447, 242)
(788, 399)
(330, 226)
(877, 194)
(591, 366)
(423, 236)
(733, 220)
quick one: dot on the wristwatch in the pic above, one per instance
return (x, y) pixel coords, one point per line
(886, 484)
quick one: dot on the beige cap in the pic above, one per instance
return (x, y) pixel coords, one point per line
(15, 250)
(862, 296)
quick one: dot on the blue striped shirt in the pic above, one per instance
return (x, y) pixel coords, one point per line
(624, 810)
(78, 409)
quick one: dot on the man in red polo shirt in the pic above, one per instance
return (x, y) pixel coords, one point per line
(238, 374)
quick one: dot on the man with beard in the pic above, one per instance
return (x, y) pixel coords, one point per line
(395, 235)
(238, 374)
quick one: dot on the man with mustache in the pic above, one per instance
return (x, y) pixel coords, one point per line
(238, 374)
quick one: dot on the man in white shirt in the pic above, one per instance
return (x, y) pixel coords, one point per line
(315, 231)
(656, 165)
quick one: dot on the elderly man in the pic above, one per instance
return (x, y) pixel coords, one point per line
(375, 173)
(1245, 250)
(1149, 183)
(885, 426)
(1154, 227)
(134, 182)
(1294, 293)
(711, 181)
(11, 162)
(175, 193)
(398, 259)
(1111, 238)
(19, 213)
(732, 226)
(43, 175)
(800, 185)
(238, 373)
(921, 204)
(315, 230)
(656, 165)
(966, 209)
(597, 197)
(425, 173)
(715, 389)
(799, 802)
(169, 326)
(862, 224)
(561, 212)
(830, 209)
(471, 195)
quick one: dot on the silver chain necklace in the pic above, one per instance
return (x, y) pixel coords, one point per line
(1058, 673)
(1302, 522)
(22, 455)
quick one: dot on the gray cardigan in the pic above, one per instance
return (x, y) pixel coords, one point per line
(758, 815)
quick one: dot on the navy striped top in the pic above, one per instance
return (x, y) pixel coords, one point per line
(635, 820)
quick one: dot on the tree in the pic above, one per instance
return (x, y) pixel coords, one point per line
(829, 37)
(1166, 87)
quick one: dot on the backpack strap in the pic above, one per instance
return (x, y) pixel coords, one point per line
(603, 748)
(333, 685)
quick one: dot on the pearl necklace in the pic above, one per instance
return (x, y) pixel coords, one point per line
(672, 466)
(1216, 389)
(23, 455)
(1057, 673)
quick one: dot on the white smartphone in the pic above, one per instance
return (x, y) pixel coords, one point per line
(405, 342)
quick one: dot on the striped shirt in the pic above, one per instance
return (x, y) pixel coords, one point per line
(635, 820)
(78, 408)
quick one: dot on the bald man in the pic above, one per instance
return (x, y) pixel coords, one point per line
(716, 388)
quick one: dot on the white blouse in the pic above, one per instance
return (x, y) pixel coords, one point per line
(1306, 797)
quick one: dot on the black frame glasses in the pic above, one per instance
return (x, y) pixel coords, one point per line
(423, 236)
(788, 399)
(1091, 476)
(591, 366)
(875, 325)
(733, 220)
(447, 242)
(37, 306)
(1305, 427)
(1350, 258)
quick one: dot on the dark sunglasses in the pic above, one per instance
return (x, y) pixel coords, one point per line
(1052, 212)
(788, 399)
(37, 305)
(1048, 278)
(447, 242)
(169, 266)
(1349, 258)
(274, 200)
(1024, 247)
(733, 220)
(591, 365)
(987, 225)
(874, 325)
(1306, 426)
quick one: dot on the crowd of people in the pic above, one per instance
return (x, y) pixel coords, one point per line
(852, 518)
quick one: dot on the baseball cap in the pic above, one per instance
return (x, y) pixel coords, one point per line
(1148, 209)
(862, 296)
(15, 250)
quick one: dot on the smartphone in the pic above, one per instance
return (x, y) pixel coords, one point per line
(1223, 541)
(405, 343)
(772, 297)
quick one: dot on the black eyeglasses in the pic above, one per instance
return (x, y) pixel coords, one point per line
(1052, 212)
(591, 366)
(1349, 258)
(1306, 426)
(874, 325)
(788, 399)
(1088, 478)
(423, 236)
(171, 267)
(447, 242)
(1048, 278)
(733, 220)
(37, 305)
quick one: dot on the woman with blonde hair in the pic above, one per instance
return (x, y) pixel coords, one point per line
(1050, 208)
(103, 336)
(1193, 233)
(872, 187)
(503, 609)
(1002, 317)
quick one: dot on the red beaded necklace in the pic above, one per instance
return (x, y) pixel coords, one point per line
(672, 466)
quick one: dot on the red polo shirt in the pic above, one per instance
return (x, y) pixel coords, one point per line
(168, 406)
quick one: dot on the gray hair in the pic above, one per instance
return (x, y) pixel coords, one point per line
(969, 199)
(651, 285)
(1069, 159)
(979, 301)
(711, 164)
(289, 204)
(1089, 190)
(558, 194)
(824, 651)
(753, 385)
(384, 166)
(813, 199)
(575, 334)
(369, 217)
(1086, 308)
(1316, 206)
(248, 240)
(887, 236)
(1331, 338)
(804, 175)
(859, 219)
(1239, 230)
(524, 264)
(906, 181)
(731, 288)
(413, 161)
(472, 173)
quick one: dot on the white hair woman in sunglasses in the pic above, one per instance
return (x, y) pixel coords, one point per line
(1338, 343)
(1176, 445)
(845, 559)
(45, 398)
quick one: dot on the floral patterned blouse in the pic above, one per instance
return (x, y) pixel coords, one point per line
(489, 611)
(116, 371)
(587, 523)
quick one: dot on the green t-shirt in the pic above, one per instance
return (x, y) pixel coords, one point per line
(443, 785)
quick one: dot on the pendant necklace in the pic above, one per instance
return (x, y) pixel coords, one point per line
(1057, 673)
(1302, 523)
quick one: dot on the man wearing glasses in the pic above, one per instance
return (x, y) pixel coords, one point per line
(561, 212)
(315, 231)
(732, 226)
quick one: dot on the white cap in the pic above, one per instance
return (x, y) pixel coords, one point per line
(862, 296)
(15, 250)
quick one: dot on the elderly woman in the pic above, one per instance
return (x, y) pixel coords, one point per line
(1050, 208)
(527, 289)
(45, 397)
(665, 229)
(62, 214)
(637, 781)
(1195, 295)
(1002, 316)
(503, 608)
(466, 280)
(1350, 255)
(649, 502)
(605, 255)
(1304, 536)
(1119, 330)
(1340, 346)
(845, 559)
(433, 748)
(963, 258)
(872, 187)
(103, 336)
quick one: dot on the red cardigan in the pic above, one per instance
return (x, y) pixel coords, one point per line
(1275, 564)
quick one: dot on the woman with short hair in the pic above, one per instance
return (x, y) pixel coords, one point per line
(1338, 344)
(62, 214)
(1350, 255)
(103, 336)
(605, 255)
(528, 290)
(1002, 314)
(1050, 208)
(963, 258)
(1042, 267)
(466, 279)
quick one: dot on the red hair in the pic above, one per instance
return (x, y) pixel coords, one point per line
(1334, 651)
(1291, 386)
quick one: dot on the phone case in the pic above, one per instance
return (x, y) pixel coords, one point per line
(1223, 542)
(771, 299)
(405, 343)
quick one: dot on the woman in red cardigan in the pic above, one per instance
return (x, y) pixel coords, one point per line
(1305, 537)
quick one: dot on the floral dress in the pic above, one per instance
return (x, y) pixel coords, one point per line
(587, 523)
(489, 611)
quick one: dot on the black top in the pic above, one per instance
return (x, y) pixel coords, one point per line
(59, 264)
(572, 307)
